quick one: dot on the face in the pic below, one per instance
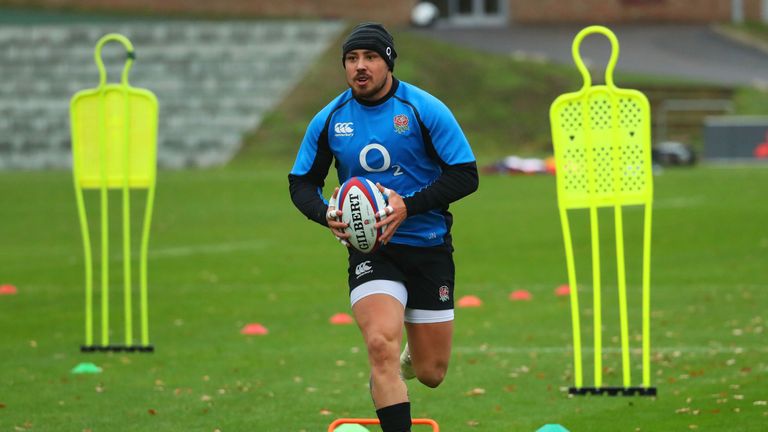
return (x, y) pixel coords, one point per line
(368, 75)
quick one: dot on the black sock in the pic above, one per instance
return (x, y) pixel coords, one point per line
(395, 418)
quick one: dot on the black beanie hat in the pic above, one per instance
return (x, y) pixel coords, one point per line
(372, 36)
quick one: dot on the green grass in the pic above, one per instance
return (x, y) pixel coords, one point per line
(228, 248)
(751, 101)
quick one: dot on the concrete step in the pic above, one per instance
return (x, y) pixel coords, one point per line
(214, 81)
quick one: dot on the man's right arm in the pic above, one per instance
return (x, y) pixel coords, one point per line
(307, 176)
(307, 197)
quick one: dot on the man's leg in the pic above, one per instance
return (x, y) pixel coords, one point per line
(380, 318)
(430, 347)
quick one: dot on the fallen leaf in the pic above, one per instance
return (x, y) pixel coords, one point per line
(473, 423)
(475, 392)
(325, 412)
(152, 411)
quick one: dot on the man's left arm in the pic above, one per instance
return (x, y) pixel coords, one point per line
(445, 143)
(455, 182)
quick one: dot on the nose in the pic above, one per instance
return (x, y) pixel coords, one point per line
(360, 64)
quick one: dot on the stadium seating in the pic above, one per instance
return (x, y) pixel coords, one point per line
(214, 81)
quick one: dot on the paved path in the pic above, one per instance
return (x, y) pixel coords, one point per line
(687, 51)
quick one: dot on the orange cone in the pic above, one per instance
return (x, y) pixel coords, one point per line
(520, 295)
(469, 301)
(8, 290)
(341, 319)
(254, 329)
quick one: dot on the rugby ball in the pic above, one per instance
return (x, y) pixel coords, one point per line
(359, 201)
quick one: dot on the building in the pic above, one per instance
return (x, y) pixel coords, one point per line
(504, 12)
(452, 12)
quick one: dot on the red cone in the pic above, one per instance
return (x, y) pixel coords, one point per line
(520, 295)
(254, 329)
(341, 319)
(469, 301)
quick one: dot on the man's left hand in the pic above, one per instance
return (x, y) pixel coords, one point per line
(395, 213)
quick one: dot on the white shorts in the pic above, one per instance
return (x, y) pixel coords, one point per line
(398, 291)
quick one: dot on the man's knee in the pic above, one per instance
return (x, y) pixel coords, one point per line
(432, 376)
(382, 349)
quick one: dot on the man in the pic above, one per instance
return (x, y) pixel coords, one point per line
(409, 143)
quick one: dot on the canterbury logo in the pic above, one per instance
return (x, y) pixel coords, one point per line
(343, 129)
(363, 268)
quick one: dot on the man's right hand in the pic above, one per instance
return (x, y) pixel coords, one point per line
(333, 216)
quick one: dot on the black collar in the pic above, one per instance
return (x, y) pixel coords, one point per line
(386, 97)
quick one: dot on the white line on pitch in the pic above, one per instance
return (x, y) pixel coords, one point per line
(564, 350)
(207, 249)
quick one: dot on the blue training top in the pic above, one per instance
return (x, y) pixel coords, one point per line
(402, 141)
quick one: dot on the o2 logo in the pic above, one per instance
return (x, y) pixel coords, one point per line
(386, 160)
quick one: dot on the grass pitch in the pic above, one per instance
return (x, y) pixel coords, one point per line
(228, 248)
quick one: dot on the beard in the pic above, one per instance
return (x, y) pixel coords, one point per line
(369, 91)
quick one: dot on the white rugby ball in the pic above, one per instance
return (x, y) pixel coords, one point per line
(359, 201)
